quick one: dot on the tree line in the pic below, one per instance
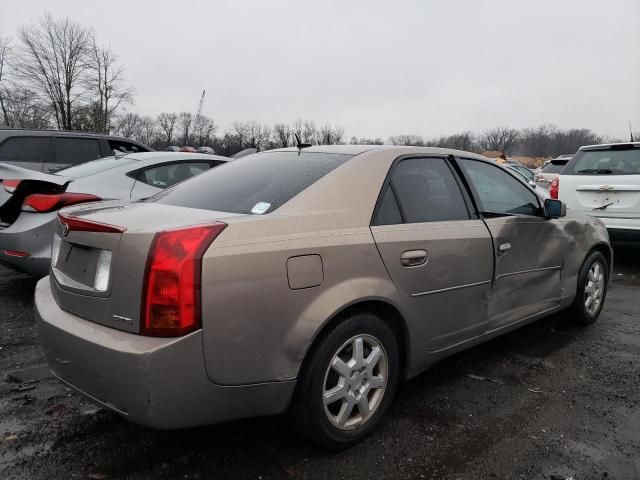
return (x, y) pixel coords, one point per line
(58, 75)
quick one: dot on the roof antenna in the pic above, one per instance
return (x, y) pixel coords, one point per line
(631, 132)
(299, 144)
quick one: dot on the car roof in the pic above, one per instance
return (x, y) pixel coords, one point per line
(359, 149)
(60, 133)
(609, 145)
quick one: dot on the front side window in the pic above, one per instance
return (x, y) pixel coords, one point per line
(425, 190)
(499, 192)
(76, 150)
(619, 161)
(24, 149)
(167, 175)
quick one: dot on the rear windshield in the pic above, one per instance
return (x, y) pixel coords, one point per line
(605, 162)
(95, 166)
(256, 184)
(552, 168)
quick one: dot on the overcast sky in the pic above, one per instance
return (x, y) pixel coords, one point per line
(378, 68)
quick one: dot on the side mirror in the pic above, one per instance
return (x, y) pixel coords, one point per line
(532, 184)
(554, 208)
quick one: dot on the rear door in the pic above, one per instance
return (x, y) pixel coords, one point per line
(604, 183)
(528, 248)
(25, 152)
(437, 251)
(70, 151)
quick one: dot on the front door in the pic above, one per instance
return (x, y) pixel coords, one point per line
(437, 252)
(529, 248)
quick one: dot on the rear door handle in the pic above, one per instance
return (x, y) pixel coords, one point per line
(414, 258)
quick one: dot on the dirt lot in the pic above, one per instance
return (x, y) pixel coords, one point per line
(556, 402)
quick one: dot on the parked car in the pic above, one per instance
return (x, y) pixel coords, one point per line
(604, 181)
(29, 200)
(549, 171)
(522, 170)
(307, 280)
(208, 150)
(524, 174)
(51, 150)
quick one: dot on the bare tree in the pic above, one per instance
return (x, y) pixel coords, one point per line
(167, 124)
(129, 125)
(147, 131)
(105, 84)
(204, 129)
(24, 109)
(330, 134)
(498, 139)
(185, 120)
(252, 134)
(53, 61)
(309, 132)
(413, 140)
(282, 135)
(5, 53)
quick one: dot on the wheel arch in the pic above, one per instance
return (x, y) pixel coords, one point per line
(606, 250)
(381, 308)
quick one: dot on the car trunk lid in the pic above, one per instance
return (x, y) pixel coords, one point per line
(17, 183)
(601, 195)
(98, 263)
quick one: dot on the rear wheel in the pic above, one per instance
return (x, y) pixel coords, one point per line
(347, 383)
(592, 289)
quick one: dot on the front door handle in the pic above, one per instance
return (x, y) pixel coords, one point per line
(414, 258)
(504, 248)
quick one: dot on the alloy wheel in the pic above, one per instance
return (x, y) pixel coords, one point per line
(594, 288)
(355, 382)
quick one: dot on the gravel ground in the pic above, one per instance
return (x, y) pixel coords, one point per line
(549, 401)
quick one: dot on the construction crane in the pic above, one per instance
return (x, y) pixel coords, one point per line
(199, 112)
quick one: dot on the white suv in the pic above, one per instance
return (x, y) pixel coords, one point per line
(604, 181)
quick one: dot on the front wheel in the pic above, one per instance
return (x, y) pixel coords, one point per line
(592, 289)
(347, 383)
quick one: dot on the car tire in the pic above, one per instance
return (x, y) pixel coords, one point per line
(337, 385)
(592, 289)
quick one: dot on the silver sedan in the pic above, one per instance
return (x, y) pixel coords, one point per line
(30, 200)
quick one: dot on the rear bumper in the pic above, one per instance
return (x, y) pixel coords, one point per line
(157, 382)
(31, 233)
(621, 224)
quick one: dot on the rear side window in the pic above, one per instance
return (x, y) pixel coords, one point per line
(622, 161)
(255, 184)
(24, 149)
(76, 150)
(426, 191)
(167, 175)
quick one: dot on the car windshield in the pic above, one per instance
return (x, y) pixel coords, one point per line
(623, 161)
(95, 166)
(256, 184)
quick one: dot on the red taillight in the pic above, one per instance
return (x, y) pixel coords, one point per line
(74, 224)
(41, 202)
(554, 190)
(10, 185)
(171, 304)
(16, 253)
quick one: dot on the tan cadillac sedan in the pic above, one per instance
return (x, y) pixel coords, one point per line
(309, 281)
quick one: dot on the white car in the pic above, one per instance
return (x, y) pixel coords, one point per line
(30, 200)
(604, 181)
